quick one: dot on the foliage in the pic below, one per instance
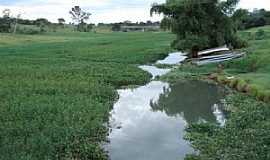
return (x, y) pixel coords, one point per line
(246, 65)
(5, 24)
(260, 34)
(57, 89)
(116, 27)
(199, 24)
(6, 21)
(246, 133)
(61, 21)
(28, 30)
(79, 17)
(245, 136)
(42, 23)
(83, 27)
(256, 18)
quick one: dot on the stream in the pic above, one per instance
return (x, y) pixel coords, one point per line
(148, 122)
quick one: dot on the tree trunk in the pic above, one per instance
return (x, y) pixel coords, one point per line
(195, 51)
(15, 27)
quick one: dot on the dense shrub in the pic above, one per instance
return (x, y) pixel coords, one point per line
(260, 34)
(246, 135)
(28, 29)
(5, 24)
(251, 63)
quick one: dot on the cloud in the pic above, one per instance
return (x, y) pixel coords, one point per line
(251, 4)
(102, 10)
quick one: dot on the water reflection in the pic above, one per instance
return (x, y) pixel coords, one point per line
(138, 133)
(148, 123)
(194, 100)
(154, 71)
(173, 58)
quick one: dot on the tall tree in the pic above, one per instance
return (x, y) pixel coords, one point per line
(16, 23)
(79, 16)
(42, 23)
(199, 24)
(6, 21)
(61, 21)
(6, 13)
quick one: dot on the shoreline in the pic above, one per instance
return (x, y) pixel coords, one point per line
(239, 103)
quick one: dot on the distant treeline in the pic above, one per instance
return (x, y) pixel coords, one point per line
(117, 26)
(41, 25)
(256, 18)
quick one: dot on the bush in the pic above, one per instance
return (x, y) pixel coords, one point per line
(223, 80)
(254, 91)
(249, 64)
(267, 96)
(244, 137)
(5, 25)
(237, 43)
(241, 86)
(261, 96)
(233, 83)
(260, 34)
(197, 42)
(28, 29)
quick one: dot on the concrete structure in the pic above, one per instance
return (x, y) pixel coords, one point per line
(139, 28)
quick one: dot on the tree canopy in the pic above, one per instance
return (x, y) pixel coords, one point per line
(199, 24)
(246, 19)
(61, 21)
(79, 17)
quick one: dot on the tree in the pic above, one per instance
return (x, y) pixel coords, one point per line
(79, 16)
(16, 23)
(199, 24)
(245, 19)
(61, 21)
(116, 27)
(6, 21)
(42, 23)
(6, 13)
(241, 17)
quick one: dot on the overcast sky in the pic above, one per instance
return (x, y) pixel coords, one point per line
(102, 10)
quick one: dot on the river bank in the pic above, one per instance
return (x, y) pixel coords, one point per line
(246, 133)
(247, 128)
(148, 122)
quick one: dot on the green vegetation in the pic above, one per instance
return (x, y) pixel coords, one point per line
(200, 24)
(246, 134)
(255, 68)
(246, 19)
(57, 89)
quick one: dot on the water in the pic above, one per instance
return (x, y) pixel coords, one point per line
(147, 123)
(173, 58)
(154, 70)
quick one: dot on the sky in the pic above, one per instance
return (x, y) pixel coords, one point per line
(105, 11)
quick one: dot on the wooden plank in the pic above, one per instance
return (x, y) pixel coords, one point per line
(212, 50)
(216, 56)
(217, 60)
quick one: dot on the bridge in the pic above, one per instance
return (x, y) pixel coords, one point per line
(139, 28)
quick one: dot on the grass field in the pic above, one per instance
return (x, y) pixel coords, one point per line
(255, 68)
(56, 89)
